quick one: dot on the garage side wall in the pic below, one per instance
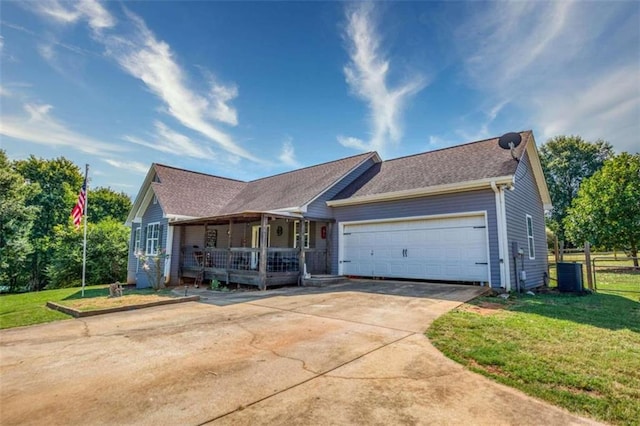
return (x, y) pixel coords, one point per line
(472, 201)
(522, 201)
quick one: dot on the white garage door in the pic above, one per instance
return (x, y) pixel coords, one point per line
(452, 249)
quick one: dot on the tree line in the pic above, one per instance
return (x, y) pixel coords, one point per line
(595, 194)
(39, 245)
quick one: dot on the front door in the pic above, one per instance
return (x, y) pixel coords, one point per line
(255, 243)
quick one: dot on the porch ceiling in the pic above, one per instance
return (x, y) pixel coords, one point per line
(242, 217)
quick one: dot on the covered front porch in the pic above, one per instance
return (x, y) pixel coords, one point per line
(252, 248)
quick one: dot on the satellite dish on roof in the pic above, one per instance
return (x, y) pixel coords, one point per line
(510, 141)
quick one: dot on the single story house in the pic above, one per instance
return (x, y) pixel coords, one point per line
(469, 213)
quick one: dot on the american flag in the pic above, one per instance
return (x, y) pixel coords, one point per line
(78, 210)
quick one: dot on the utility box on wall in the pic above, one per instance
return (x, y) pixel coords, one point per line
(570, 277)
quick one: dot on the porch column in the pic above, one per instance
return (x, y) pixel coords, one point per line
(229, 245)
(262, 266)
(183, 231)
(302, 253)
(230, 234)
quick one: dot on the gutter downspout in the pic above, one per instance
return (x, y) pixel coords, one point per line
(503, 249)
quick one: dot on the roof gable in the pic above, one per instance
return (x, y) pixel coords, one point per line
(459, 168)
(449, 166)
(293, 190)
(185, 194)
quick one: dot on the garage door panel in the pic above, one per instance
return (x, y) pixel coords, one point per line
(397, 270)
(442, 249)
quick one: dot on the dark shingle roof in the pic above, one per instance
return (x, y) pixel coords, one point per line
(462, 163)
(292, 189)
(185, 193)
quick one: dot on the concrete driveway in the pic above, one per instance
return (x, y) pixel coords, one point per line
(344, 354)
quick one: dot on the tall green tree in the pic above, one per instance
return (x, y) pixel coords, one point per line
(606, 211)
(16, 220)
(59, 181)
(105, 203)
(107, 249)
(567, 161)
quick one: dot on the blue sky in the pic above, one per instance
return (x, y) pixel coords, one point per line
(249, 89)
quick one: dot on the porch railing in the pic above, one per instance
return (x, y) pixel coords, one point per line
(316, 261)
(240, 259)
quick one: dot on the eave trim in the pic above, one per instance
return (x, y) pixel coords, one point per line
(423, 192)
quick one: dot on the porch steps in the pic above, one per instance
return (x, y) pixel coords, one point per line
(322, 280)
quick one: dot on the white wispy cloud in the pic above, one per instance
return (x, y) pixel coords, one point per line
(39, 126)
(46, 51)
(125, 186)
(351, 142)
(167, 140)
(437, 142)
(546, 60)
(137, 50)
(288, 154)
(499, 49)
(367, 74)
(152, 61)
(134, 166)
(220, 96)
(609, 108)
(92, 11)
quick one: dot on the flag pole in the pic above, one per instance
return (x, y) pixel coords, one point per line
(84, 243)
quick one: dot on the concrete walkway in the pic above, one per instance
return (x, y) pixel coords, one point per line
(345, 354)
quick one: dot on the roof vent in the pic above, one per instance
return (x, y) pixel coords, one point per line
(510, 141)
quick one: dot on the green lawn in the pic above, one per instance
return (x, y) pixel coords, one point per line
(611, 276)
(29, 308)
(578, 352)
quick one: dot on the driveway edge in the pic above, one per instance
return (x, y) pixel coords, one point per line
(81, 314)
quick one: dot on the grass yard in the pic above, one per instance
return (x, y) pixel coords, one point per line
(578, 352)
(613, 273)
(29, 308)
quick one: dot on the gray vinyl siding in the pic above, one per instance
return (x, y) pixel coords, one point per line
(522, 201)
(151, 215)
(481, 200)
(132, 262)
(319, 209)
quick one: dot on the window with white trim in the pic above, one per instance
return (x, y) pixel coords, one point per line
(155, 199)
(532, 249)
(136, 240)
(296, 233)
(153, 238)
